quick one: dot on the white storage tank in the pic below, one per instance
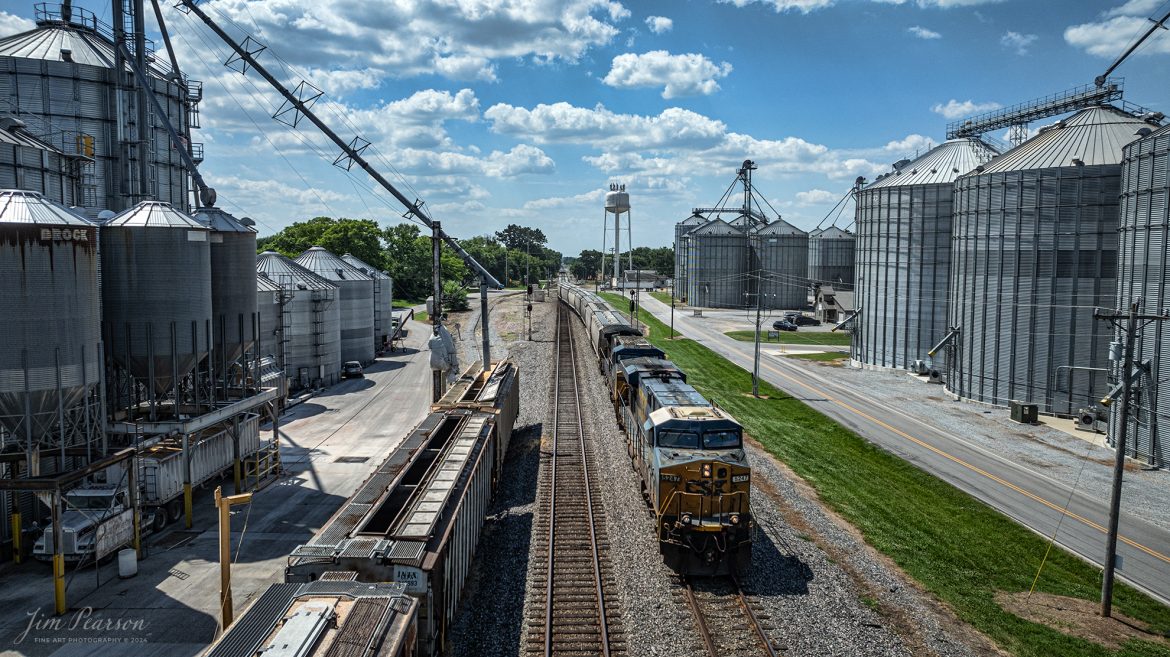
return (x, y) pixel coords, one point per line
(309, 321)
(383, 299)
(1144, 271)
(1034, 252)
(356, 297)
(903, 249)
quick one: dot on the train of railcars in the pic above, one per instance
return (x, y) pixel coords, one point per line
(687, 452)
(417, 519)
(334, 616)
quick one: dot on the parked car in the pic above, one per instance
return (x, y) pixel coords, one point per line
(352, 370)
(783, 325)
(802, 320)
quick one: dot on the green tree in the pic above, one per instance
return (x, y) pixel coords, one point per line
(586, 265)
(515, 237)
(361, 237)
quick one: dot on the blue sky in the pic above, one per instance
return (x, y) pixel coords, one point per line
(523, 111)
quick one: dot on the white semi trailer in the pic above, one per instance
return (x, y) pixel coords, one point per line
(97, 519)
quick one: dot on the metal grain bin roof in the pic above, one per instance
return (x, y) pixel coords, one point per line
(154, 214)
(220, 221)
(46, 42)
(329, 266)
(12, 131)
(941, 164)
(832, 233)
(23, 207)
(1092, 136)
(366, 269)
(288, 274)
(779, 227)
(265, 284)
(716, 227)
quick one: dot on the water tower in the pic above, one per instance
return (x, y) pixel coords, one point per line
(617, 203)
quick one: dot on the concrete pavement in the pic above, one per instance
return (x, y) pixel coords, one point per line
(1022, 493)
(329, 444)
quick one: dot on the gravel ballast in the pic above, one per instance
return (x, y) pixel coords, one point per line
(820, 588)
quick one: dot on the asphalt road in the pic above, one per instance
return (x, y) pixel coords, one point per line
(1023, 494)
(329, 445)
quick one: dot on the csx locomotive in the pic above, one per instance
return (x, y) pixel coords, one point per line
(688, 453)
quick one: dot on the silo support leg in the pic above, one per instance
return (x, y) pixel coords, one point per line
(236, 474)
(187, 512)
(16, 546)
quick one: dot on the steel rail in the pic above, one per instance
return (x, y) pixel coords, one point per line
(705, 629)
(566, 355)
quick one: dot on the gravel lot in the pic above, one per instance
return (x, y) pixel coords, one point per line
(824, 591)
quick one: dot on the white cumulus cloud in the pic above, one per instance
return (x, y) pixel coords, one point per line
(954, 109)
(1115, 30)
(1018, 42)
(13, 24)
(689, 74)
(814, 196)
(923, 33)
(659, 24)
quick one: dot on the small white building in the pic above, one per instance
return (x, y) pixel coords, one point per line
(641, 279)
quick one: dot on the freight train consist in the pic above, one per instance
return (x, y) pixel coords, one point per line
(688, 453)
(416, 520)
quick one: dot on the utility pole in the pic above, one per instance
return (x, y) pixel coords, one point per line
(756, 364)
(436, 305)
(1126, 388)
(224, 504)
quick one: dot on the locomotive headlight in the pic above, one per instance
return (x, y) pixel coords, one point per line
(735, 518)
(706, 469)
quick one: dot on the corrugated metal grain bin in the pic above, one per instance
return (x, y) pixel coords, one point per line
(356, 300)
(383, 299)
(831, 254)
(1035, 251)
(233, 281)
(156, 292)
(268, 310)
(60, 78)
(780, 257)
(903, 249)
(718, 259)
(680, 254)
(1144, 271)
(31, 164)
(309, 321)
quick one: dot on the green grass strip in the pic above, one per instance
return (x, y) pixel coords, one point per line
(957, 547)
(794, 337)
(823, 356)
(664, 297)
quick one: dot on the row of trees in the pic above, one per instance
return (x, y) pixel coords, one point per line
(659, 260)
(404, 252)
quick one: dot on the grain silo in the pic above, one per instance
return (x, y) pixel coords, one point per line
(59, 78)
(383, 299)
(903, 249)
(718, 262)
(780, 259)
(307, 328)
(31, 164)
(831, 257)
(356, 300)
(268, 316)
(233, 284)
(156, 297)
(1144, 271)
(1034, 252)
(52, 333)
(680, 251)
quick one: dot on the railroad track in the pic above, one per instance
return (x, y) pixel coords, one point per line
(724, 617)
(573, 616)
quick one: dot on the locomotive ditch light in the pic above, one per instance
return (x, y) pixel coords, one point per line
(706, 469)
(685, 519)
(735, 518)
